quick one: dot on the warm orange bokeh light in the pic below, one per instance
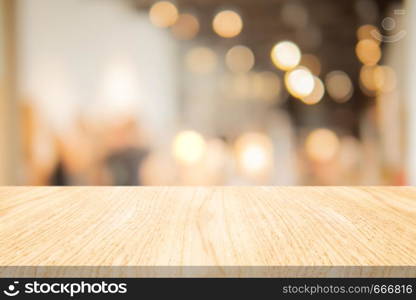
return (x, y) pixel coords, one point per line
(227, 24)
(163, 14)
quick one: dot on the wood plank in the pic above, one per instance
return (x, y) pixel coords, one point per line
(212, 231)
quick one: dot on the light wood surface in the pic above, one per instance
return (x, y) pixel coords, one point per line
(220, 231)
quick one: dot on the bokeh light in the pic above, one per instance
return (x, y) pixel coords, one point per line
(300, 82)
(321, 145)
(252, 79)
(227, 24)
(285, 55)
(385, 79)
(163, 14)
(317, 93)
(368, 32)
(254, 153)
(377, 79)
(339, 86)
(239, 59)
(311, 62)
(189, 147)
(367, 80)
(186, 27)
(201, 60)
(210, 169)
(368, 52)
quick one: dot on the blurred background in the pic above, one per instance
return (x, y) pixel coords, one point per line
(207, 92)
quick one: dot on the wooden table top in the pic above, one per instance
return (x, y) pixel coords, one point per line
(219, 231)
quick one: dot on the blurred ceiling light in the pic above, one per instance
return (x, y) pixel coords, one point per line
(266, 86)
(368, 32)
(299, 82)
(339, 86)
(317, 93)
(186, 27)
(201, 60)
(227, 24)
(285, 55)
(312, 63)
(163, 14)
(239, 59)
(254, 153)
(189, 147)
(368, 52)
(321, 145)
(294, 15)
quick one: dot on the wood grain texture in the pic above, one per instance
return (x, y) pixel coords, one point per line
(220, 231)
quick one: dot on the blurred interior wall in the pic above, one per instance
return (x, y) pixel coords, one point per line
(3, 94)
(95, 58)
(411, 90)
(391, 108)
(9, 168)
